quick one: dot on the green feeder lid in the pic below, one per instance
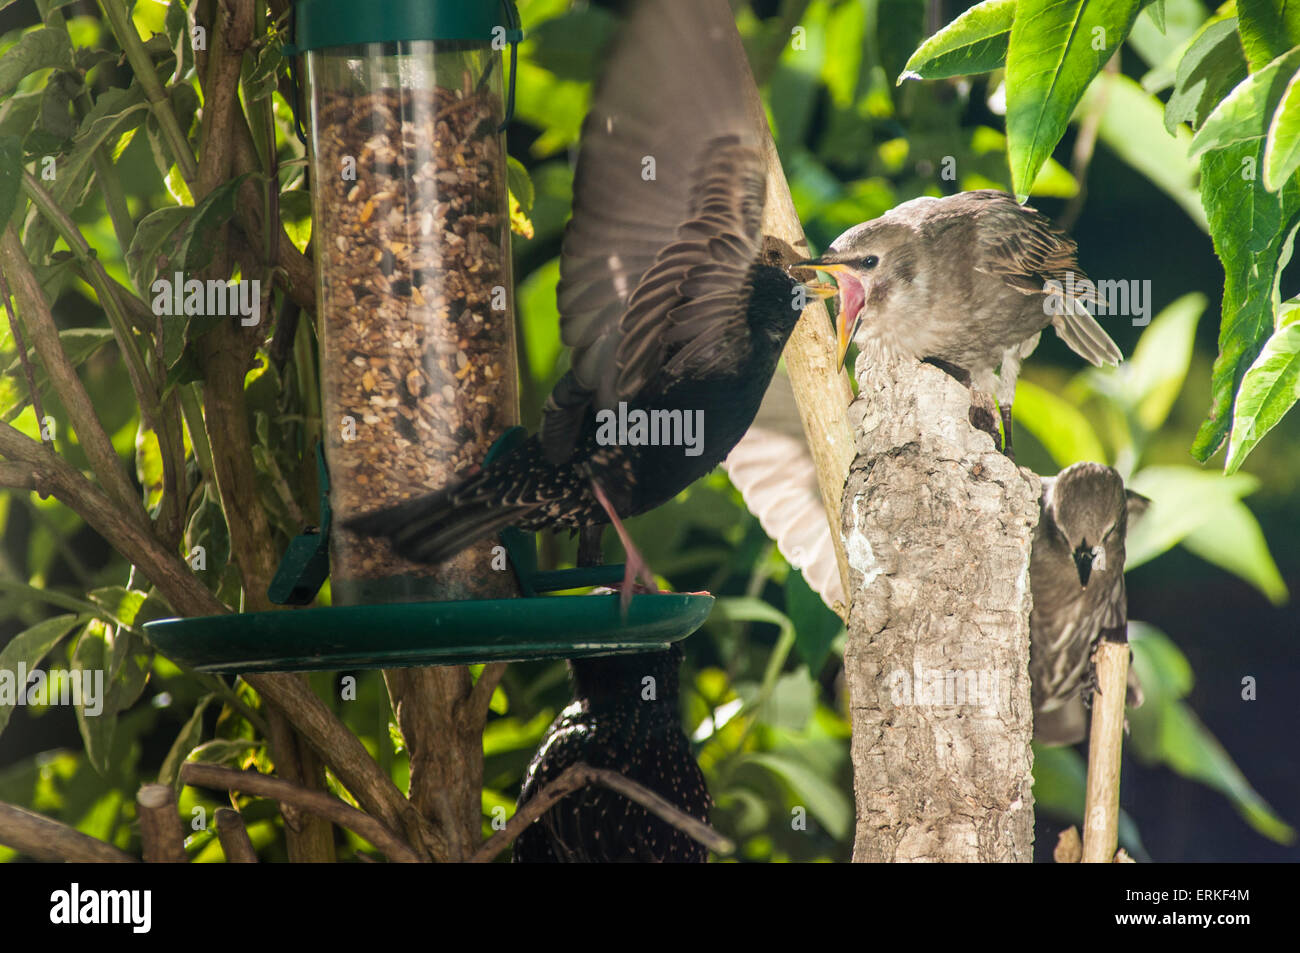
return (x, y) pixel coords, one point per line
(324, 23)
(428, 633)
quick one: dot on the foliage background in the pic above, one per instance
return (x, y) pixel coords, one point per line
(763, 690)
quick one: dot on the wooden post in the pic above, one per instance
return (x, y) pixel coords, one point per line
(1105, 745)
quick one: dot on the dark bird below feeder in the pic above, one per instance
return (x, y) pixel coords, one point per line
(968, 281)
(664, 299)
(625, 717)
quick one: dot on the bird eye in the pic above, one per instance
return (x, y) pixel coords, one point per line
(871, 261)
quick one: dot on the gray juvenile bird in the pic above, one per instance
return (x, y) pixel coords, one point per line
(969, 280)
(1076, 574)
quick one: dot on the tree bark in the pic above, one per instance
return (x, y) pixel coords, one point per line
(937, 526)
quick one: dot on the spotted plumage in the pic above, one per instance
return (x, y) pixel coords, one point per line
(664, 298)
(626, 717)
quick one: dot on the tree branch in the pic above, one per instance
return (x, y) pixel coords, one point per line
(160, 825)
(315, 802)
(1105, 746)
(821, 389)
(939, 527)
(580, 775)
(156, 94)
(235, 842)
(46, 839)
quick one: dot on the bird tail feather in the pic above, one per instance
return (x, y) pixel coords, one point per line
(1080, 330)
(435, 527)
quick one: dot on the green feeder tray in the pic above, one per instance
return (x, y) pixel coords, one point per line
(428, 633)
(394, 635)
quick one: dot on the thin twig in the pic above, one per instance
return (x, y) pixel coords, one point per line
(315, 802)
(480, 696)
(44, 333)
(580, 775)
(46, 839)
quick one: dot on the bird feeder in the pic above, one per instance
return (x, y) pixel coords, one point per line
(408, 104)
(412, 244)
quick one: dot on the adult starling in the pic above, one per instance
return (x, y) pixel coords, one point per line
(664, 300)
(626, 717)
(1076, 574)
(969, 280)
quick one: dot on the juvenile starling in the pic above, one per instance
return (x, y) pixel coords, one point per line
(621, 721)
(969, 280)
(663, 299)
(1076, 574)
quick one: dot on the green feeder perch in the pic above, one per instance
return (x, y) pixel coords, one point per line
(408, 107)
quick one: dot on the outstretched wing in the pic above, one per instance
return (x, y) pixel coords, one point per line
(773, 469)
(668, 200)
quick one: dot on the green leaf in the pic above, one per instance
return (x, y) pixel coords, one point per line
(78, 344)
(39, 49)
(820, 795)
(1183, 499)
(11, 176)
(153, 246)
(1253, 232)
(975, 42)
(1165, 730)
(521, 184)
(1269, 388)
(1212, 65)
(899, 27)
(1232, 540)
(1153, 377)
(1064, 432)
(28, 648)
(792, 701)
(97, 727)
(1243, 115)
(185, 742)
(815, 626)
(521, 197)
(224, 750)
(1130, 127)
(1188, 747)
(1268, 29)
(1282, 151)
(1157, 13)
(1162, 668)
(570, 46)
(1051, 60)
(119, 603)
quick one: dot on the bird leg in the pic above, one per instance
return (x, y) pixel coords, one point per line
(982, 406)
(959, 374)
(636, 566)
(1005, 410)
(983, 415)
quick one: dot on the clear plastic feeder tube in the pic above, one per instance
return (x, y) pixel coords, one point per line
(412, 246)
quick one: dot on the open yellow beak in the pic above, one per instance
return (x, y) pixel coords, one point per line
(843, 330)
